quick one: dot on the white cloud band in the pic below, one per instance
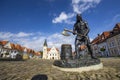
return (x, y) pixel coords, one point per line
(36, 40)
(79, 6)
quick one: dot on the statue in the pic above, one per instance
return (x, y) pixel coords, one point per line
(81, 27)
(81, 31)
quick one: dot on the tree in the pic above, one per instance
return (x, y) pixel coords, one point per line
(102, 49)
(41, 53)
(7, 53)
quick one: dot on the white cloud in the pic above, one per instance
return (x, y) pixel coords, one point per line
(36, 40)
(58, 39)
(9, 35)
(91, 39)
(116, 17)
(75, 1)
(79, 6)
(23, 34)
(63, 17)
(6, 35)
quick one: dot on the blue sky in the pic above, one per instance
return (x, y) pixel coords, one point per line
(29, 22)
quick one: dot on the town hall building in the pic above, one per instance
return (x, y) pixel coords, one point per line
(50, 53)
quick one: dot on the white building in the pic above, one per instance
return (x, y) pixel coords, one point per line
(50, 53)
(11, 50)
(3, 50)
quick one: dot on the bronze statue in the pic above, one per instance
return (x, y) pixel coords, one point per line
(81, 27)
(81, 31)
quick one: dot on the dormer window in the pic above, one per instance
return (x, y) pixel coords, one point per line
(102, 37)
(118, 41)
(111, 32)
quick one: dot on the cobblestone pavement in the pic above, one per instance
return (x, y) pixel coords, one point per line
(26, 70)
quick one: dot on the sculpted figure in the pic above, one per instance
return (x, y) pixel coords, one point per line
(81, 31)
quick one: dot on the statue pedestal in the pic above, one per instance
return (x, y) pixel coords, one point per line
(78, 65)
(84, 63)
(80, 69)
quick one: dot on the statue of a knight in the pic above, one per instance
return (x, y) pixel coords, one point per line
(81, 27)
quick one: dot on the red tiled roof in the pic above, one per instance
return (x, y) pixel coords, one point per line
(48, 49)
(37, 53)
(107, 34)
(57, 49)
(4, 42)
(101, 37)
(12, 46)
(18, 47)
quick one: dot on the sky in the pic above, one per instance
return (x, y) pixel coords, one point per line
(30, 22)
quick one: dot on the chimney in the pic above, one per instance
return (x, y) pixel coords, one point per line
(98, 34)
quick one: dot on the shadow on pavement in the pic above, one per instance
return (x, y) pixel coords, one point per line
(9, 59)
(40, 77)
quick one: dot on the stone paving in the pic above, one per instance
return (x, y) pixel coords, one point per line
(26, 70)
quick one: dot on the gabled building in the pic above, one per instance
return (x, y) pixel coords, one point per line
(114, 41)
(11, 50)
(106, 44)
(99, 44)
(50, 53)
(3, 52)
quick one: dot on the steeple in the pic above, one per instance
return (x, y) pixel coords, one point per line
(45, 43)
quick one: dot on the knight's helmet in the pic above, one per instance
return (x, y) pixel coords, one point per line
(79, 17)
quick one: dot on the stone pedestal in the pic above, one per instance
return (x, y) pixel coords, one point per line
(67, 63)
(80, 69)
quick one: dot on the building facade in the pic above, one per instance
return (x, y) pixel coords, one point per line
(114, 41)
(50, 53)
(108, 43)
(11, 50)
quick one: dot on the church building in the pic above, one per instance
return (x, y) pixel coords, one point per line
(50, 53)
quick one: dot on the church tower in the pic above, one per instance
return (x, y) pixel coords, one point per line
(45, 46)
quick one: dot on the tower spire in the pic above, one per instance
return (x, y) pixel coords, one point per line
(45, 43)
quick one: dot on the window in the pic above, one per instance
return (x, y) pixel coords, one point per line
(116, 51)
(109, 44)
(15, 51)
(113, 44)
(118, 41)
(102, 37)
(112, 52)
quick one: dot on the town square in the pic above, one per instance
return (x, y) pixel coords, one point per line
(46, 40)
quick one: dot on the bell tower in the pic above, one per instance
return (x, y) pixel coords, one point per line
(45, 46)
